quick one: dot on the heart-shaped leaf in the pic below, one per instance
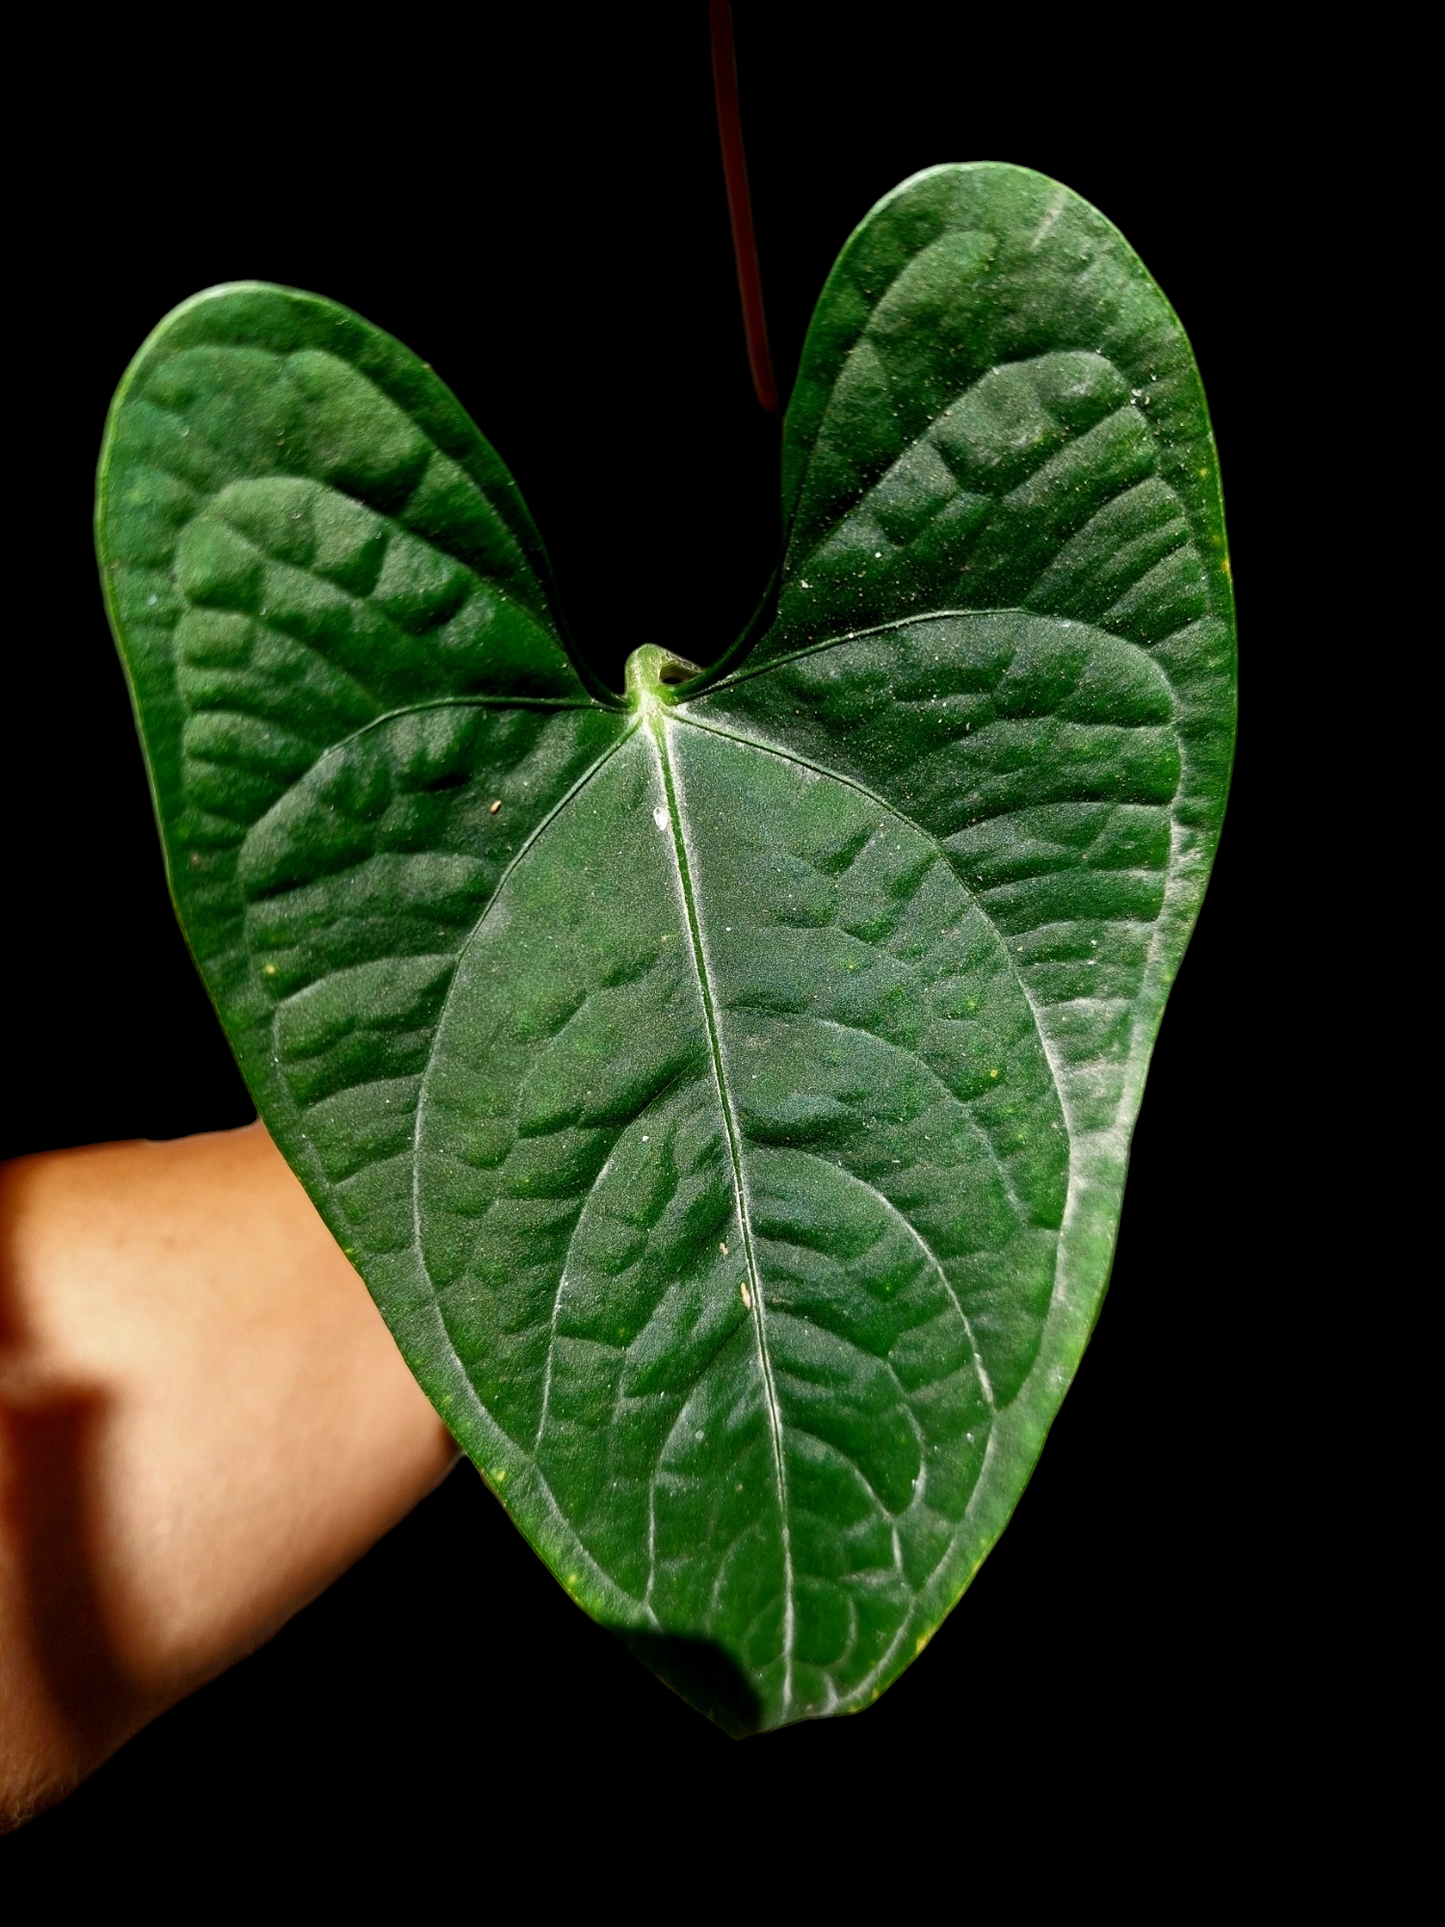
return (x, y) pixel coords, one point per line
(724, 1089)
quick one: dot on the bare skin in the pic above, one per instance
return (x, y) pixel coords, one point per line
(203, 1423)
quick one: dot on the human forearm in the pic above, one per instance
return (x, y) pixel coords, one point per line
(203, 1422)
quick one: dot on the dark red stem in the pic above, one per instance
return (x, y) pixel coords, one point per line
(740, 206)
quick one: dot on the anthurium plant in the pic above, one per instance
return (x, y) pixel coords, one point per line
(724, 1085)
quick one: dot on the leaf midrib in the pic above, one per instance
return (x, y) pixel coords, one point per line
(758, 1308)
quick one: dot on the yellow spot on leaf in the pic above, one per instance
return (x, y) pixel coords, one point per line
(269, 969)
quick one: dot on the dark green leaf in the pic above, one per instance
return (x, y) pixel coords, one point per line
(725, 1090)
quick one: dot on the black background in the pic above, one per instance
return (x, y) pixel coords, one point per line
(540, 214)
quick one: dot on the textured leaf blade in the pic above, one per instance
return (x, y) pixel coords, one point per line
(732, 1124)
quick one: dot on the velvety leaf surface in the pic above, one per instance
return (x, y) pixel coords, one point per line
(724, 1089)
